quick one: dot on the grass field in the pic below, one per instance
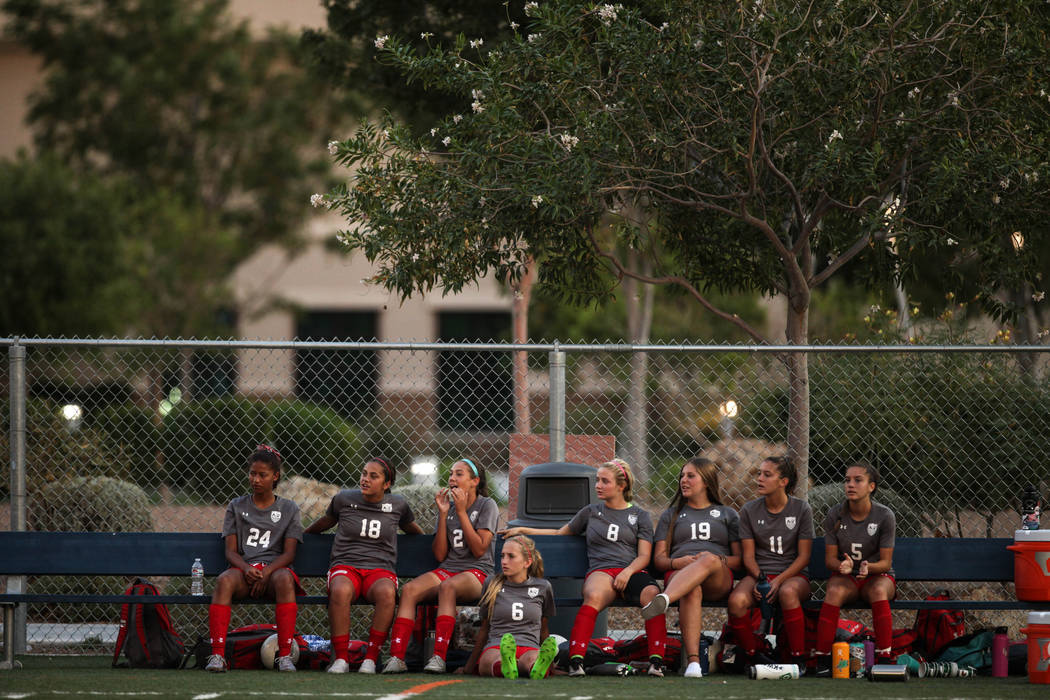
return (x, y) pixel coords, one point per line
(57, 677)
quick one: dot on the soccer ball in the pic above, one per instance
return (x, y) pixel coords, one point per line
(268, 652)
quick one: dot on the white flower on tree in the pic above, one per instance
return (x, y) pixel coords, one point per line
(537, 200)
(317, 200)
(380, 41)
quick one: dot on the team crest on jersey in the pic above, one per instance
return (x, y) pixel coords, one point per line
(533, 591)
(715, 513)
(388, 508)
(632, 519)
(473, 516)
(790, 522)
(275, 516)
(872, 528)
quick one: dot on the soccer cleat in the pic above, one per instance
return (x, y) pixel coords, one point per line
(216, 664)
(693, 670)
(656, 607)
(395, 665)
(339, 666)
(576, 667)
(823, 666)
(367, 666)
(285, 663)
(435, 665)
(508, 656)
(548, 652)
(656, 667)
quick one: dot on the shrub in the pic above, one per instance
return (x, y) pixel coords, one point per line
(90, 504)
(316, 442)
(133, 432)
(207, 442)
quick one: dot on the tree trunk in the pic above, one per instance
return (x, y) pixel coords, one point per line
(522, 291)
(798, 391)
(639, 325)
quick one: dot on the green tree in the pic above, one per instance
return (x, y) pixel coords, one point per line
(768, 145)
(65, 277)
(187, 105)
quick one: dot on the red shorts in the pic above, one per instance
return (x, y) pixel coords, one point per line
(770, 577)
(860, 583)
(445, 574)
(361, 579)
(295, 577)
(517, 655)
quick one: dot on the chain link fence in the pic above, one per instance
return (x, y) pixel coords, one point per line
(154, 435)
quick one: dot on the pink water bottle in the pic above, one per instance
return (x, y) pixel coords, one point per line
(1000, 662)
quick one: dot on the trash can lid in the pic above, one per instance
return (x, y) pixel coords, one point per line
(1031, 535)
(1039, 618)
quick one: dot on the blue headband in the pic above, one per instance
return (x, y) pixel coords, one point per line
(475, 469)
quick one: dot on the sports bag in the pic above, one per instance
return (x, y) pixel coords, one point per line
(974, 649)
(935, 629)
(243, 646)
(146, 639)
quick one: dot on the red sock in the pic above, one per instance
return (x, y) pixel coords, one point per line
(341, 647)
(375, 643)
(443, 628)
(826, 626)
(795, 625)
(286, 613)
(743, 633)
(400, 633)
(582, 628)
(883, 623)
(218, 625)
(656, 635)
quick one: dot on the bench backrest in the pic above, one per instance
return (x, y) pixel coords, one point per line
(171, 554)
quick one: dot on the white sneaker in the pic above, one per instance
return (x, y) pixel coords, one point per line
(367, 666)
(216, 664)
(285, 663)
(693, 670)
(339, 666)
(394, 665)
(435, 665)
(657, 606)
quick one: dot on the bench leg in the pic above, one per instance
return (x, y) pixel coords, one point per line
(9, 662)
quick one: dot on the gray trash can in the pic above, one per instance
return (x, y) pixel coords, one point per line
(548, 496)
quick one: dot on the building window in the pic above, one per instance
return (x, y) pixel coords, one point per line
(344, 380)
(474, 389)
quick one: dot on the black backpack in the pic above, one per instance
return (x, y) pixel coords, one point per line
(147, 639)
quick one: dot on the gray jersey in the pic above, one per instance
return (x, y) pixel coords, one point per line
(612, 535)
(696, 530)
(366, 537)
(484, 515)
(776, 535)
(261, 532)
(519, 609)
(861, 539)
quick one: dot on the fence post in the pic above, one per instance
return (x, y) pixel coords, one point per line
(557, 405)
(15, 619)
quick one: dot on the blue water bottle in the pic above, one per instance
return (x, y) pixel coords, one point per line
(765, 605)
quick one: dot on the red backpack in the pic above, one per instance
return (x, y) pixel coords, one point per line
(936, 629)
(147, 639)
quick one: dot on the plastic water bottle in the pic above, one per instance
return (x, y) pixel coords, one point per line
(197, 577)
(1000, 661)
(1030, 508)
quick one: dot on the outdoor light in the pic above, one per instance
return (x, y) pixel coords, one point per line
(729, 408)
(424, 466)
(72, 413)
